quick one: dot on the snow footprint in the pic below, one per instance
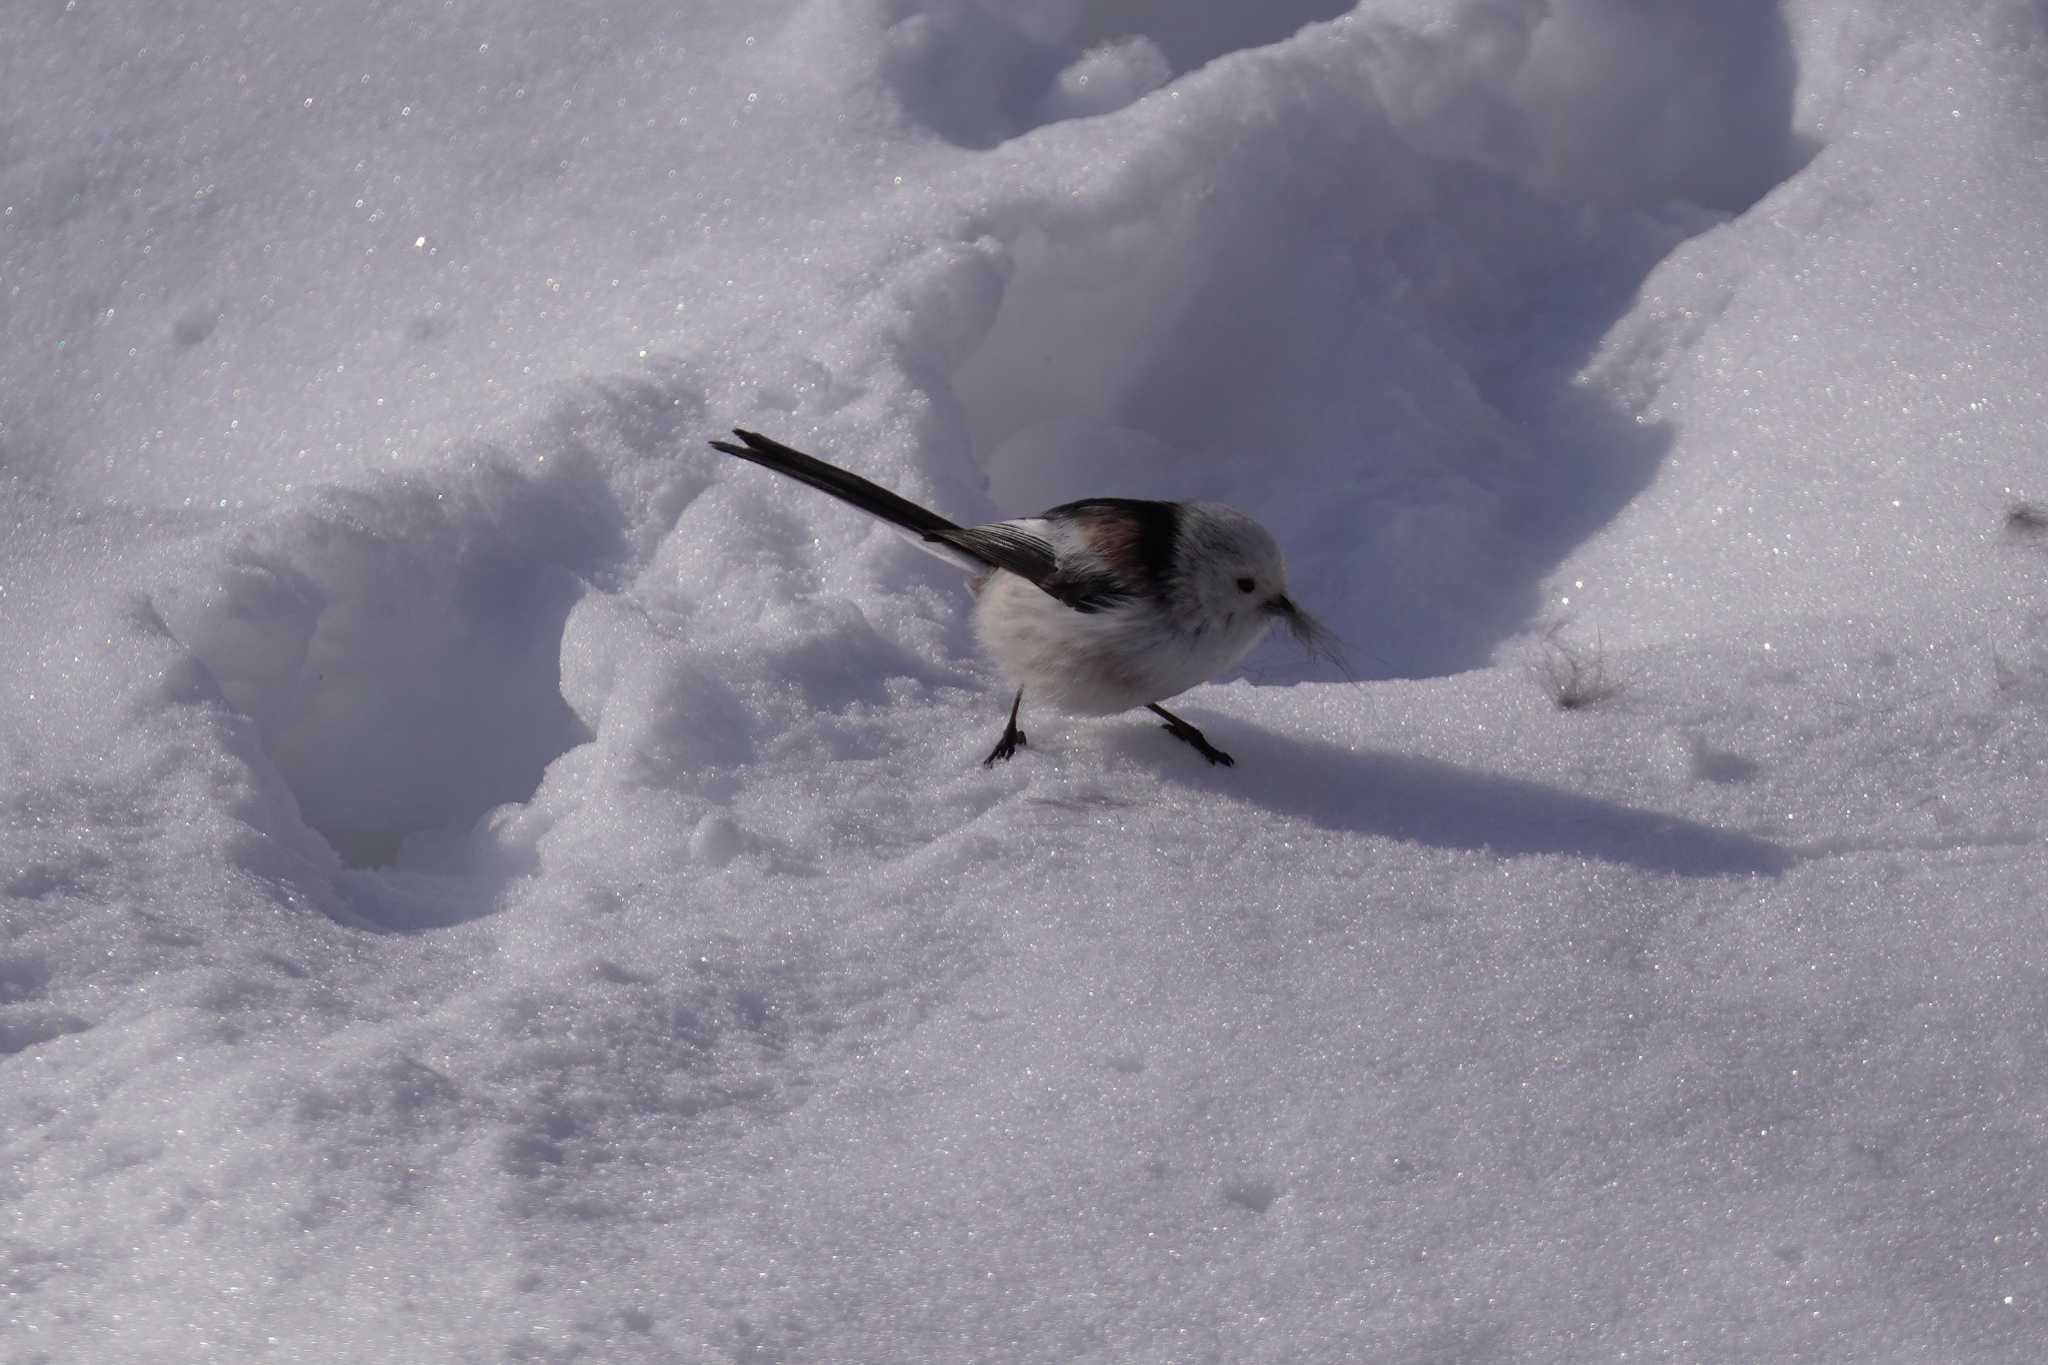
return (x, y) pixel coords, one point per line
(398, 647)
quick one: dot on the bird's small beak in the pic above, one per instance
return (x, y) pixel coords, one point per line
(1313, 634)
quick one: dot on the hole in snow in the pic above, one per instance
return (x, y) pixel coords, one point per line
(399, 648)
(1254, 1195)
(1377, 364)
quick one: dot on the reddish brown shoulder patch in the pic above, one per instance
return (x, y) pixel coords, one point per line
(1114, 537)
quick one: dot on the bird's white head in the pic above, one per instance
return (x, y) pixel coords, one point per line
(1229, 578)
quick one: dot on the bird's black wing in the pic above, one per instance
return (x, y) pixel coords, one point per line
(1088, 591)
(1134, 537)
(1032, 558)
(1004, 546)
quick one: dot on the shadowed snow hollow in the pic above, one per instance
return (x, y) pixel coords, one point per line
(398, 648)
(1355, 296)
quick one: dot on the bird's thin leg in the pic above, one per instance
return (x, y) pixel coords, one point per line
(1180, 729)
(1013, 738)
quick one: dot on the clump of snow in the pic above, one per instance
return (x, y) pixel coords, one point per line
(1104, 79)
(484, 876)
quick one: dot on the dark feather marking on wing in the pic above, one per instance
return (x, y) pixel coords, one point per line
(1133, 539)
(1023, 554)
(1086, 592)
(1033, 559)
(1134, 536)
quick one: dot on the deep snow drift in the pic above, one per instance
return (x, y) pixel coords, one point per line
(486, 878)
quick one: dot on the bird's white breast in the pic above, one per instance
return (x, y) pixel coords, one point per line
(1100, 662)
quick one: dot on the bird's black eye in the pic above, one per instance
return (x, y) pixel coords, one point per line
(1246, 585)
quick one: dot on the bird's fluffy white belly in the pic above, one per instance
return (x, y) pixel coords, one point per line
(1097, 663)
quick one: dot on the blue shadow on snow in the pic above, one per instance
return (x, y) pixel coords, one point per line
(1425, 801)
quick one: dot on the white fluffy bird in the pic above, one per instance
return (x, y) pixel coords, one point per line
(1096, 606)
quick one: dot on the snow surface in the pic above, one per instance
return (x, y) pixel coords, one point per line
(487, 879)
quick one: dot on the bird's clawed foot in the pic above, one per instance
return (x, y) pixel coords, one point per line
(1181, 730)
(1006, 747)
(1012, 740)
(1013, 737)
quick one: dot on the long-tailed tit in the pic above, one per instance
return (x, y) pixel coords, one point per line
(1100, 605)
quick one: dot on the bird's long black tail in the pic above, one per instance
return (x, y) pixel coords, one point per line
(871, 498)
